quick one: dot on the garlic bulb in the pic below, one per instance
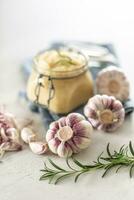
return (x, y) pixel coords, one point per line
(113, 82)
(69, 135)
(104, 112)
(9, 134)
(27, 135)
(38, 147)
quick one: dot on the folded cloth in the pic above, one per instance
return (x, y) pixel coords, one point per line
(101, 56)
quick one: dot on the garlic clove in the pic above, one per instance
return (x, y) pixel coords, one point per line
(95, 123)
(83, 129)
(117, 105)
(27, 135)
(74, 118)
(38, 147)
(81, 142)
(97, 101)
(110, 127)
(50, 135)
(64, 150)
(54, 126)
(86, 110)
(106, 101)
(53, 144)
(62, 122)
(73, 146)
(120, 114)
(92, 104)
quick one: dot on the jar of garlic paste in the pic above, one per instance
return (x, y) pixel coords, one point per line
(60, 80)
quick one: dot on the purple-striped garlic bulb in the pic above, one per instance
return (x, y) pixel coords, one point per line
(69, 135)
(105, 112)
(113, 82)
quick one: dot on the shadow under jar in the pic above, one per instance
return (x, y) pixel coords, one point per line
(60, 80)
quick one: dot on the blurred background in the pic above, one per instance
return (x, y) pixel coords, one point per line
(27, 26)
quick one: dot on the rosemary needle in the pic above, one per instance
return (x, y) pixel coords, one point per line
(124, 157)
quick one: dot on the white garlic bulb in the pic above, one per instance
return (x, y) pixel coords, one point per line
(38, 147)
(69, 135)
(27, 135)
(113, 82)
(105, 112)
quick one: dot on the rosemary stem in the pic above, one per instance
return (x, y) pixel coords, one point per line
(117, 159)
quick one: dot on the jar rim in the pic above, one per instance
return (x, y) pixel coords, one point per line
(56, 73)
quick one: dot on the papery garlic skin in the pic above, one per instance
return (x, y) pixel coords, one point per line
(10, 146)
(27, 135)
(9, 135)
(38, 147)
(105, 112)
(112, 81)
(7, 120)
(69, 135)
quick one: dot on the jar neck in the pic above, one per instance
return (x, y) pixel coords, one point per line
(62, 74)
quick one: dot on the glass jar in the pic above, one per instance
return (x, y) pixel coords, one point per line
(60, 91)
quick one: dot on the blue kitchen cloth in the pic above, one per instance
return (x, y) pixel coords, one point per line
(95, 67)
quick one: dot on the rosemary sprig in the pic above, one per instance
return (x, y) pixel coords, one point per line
(124, 157)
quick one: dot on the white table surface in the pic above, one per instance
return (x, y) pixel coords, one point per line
(26, 26)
